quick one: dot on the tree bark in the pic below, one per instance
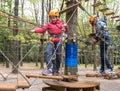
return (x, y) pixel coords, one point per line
(15, 42)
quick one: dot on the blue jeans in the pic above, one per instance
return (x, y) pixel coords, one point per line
(105, 62)
(53, 63)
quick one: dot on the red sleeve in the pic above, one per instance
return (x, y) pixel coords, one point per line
(66, 29)
(42, 29)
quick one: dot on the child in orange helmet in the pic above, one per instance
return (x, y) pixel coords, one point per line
(103, 36)
(54, 29)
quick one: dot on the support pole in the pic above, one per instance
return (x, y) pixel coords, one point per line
(71, 60)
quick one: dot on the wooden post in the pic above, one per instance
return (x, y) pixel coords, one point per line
(71, 18)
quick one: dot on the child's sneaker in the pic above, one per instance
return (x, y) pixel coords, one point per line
(47, 72)
(109, 71)
(100, 71)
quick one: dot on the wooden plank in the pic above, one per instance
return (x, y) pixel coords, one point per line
(23, 84)
(117, 20)
(97, 4)
(69, 8)
(8, 87)
(104, 9)
(110, 13)
(62, 77)
(115, 16)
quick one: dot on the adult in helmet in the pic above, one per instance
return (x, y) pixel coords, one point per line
(54, 28)
(103, 36)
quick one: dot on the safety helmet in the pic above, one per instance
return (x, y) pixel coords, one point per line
(53, 13)
(92, 19)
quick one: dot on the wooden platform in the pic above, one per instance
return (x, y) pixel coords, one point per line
(82, 85)
(8, 87)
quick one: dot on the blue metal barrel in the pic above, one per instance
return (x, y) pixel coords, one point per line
(71, 55)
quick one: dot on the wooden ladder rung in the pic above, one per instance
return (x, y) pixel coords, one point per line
(117, 20)
(8, 87)
(97, 4)
(115, 16)
(104, 9)
(110, 13)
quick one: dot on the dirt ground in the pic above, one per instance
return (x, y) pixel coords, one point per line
(37, 83)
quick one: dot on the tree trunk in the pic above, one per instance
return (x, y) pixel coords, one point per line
(22, 10)
(42, 41)
(94, 47)
(71, 20)
(15, 42)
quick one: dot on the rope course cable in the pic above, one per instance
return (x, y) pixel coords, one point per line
(13, 66)
(16, 18)
(13, 28)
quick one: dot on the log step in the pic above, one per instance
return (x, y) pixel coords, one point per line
(8, 87)
(104, 9)
(61, 77)
(23, 84)
(97, 4)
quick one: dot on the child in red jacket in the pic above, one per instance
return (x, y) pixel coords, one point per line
(54, 29)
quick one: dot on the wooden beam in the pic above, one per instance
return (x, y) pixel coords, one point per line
(62, 77)
(110, 13)
(22, 84)
(104, 9)
(117, 20)
(115, 17)
(97, 4)
(70, 8)
(8, 87)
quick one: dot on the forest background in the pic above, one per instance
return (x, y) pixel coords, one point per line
(17, 17)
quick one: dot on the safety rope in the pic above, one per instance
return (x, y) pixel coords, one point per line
(59, 43)
(14, 67)
(62, 5)
(84, 10)
(12, 28)
(16, 18)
